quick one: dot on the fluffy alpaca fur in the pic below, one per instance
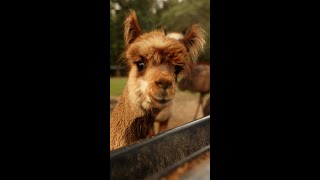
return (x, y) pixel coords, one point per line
(163, 119)
(155, 62)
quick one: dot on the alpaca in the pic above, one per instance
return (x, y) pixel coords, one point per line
(155, 62)
(206, 108)
(197, 81)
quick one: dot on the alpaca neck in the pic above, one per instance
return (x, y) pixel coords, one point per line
(129, 122)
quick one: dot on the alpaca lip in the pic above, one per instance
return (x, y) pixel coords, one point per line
(160, 101)
(163, 101)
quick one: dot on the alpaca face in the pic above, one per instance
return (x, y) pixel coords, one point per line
(155, 62)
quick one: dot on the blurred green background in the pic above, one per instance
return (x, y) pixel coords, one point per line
(173, 15)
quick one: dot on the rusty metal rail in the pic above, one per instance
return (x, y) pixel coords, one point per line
(152, 156)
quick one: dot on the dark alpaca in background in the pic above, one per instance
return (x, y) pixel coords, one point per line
(198, 81)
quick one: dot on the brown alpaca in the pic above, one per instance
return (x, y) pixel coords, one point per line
(197, 81)
(155, 61)
(206, 108)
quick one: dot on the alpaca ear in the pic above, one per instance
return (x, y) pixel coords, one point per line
(131, 28)
(194, 41)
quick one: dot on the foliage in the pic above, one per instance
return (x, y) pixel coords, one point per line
(117, 85)
(174, 15)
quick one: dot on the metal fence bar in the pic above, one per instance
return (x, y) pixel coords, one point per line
(155, 154)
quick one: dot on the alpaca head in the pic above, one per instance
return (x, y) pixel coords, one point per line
(155, 61)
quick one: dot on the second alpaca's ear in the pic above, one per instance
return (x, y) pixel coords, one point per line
(131, 28)
(194, 41)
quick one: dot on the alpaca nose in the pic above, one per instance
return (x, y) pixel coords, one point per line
(163, 83)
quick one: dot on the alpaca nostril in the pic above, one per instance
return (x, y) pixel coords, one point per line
(164, 84)
(158, 83)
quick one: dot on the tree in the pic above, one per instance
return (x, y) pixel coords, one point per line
(174, 15)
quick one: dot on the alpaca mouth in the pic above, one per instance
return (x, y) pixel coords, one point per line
(161, 101)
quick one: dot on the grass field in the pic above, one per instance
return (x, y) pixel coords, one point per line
(116, 85)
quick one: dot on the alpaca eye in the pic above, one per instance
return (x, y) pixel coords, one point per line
(141, 65)
(178, 69)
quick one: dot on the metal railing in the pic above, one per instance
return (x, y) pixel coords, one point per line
(153, 155)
